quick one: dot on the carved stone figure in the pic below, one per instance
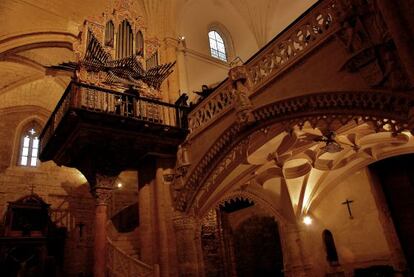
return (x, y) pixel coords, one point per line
(183, 160)
(241, 85)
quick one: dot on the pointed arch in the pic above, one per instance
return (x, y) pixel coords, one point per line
(124, 40)
(109, 34)
(139, 44)
(29, 144)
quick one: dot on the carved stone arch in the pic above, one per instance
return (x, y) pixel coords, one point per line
(377, 108)
(264, 204)
(266, 210)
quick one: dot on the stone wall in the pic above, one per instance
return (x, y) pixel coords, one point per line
(65, 189)
(360, 241)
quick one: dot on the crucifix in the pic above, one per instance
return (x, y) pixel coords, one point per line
(347, 203)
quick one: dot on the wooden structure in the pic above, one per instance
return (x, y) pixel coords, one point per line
(31, 245)
(99, 130)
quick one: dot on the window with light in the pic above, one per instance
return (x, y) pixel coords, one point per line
(217, 47)
(29, 147)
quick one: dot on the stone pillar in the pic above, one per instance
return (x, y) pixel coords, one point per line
(295, 263)
(163, 207)
(155, 212)
(170, 46)
(186, 228)
(399, 31)
(182, 67)
(102, 192)
(146, 213)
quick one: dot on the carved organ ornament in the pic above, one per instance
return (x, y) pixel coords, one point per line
(112, 52)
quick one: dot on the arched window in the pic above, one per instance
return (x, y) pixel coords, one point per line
(109, 34)
(331, 254)
(29, 145)
(124, 40)
(217, 46)
(139, 44)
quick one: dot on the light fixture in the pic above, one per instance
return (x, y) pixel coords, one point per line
(119, 185)
(307, 220)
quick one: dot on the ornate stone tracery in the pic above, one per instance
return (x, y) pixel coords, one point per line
(383, 110)
(372, 52)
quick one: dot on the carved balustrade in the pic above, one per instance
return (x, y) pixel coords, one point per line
(292, 44)
(121, 264)
(317, 25)
(79, 96)
(211, 108)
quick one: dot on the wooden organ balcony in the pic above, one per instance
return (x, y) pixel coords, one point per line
(93, 127)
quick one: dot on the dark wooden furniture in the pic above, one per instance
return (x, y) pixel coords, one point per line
(30, 245)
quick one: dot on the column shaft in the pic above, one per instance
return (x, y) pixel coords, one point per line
(100, 241)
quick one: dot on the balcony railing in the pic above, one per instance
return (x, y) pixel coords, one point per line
(311, 29)
(78, 96)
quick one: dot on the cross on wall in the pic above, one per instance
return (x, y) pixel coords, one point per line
(348, 204)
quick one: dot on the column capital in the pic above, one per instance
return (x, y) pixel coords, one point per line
(171, 42)
(185, 222)
(102, 190)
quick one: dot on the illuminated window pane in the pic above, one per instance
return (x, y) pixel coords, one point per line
(34, 153)
(33, 162)
(35, 142)
(25, 151)
(217, 47)
(23, 160)
(26, 141)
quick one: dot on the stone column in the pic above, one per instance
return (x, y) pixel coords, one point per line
(186, 228)
(163, 207)
(170, 46)
(182, 67)
(146, 213)
(295, 262)
(102, 192)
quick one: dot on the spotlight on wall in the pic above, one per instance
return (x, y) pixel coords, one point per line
(119, 185)
(307, 220)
